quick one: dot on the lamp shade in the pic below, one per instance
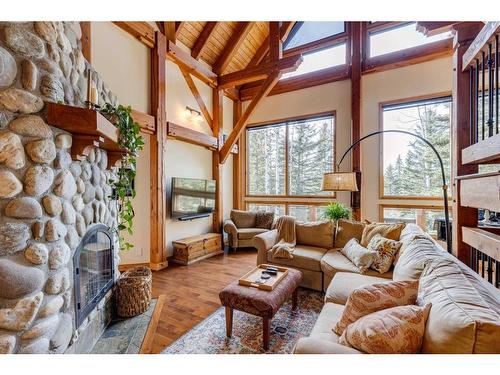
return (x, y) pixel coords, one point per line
(339, 181)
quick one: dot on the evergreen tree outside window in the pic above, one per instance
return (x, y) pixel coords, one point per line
(310, 154)
(410, 167)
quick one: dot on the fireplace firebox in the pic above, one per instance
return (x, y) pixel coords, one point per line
(93, 270)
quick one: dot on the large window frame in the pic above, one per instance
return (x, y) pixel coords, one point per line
(381, 145)
(287, 199)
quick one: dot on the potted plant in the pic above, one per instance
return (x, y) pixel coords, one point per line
(335, 211)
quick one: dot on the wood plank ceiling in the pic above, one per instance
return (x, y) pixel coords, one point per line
(231, 45)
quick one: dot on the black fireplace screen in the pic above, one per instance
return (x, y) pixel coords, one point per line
(93, 270)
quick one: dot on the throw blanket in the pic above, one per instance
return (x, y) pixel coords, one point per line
(286, 238)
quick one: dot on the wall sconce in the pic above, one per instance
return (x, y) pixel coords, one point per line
(192, 114)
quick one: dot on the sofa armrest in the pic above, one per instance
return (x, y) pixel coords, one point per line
(312, 345)
(232, 231)
(263, 243)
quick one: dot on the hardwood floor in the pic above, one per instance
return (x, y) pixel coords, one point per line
(191, 293)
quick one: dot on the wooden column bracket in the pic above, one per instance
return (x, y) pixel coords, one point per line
(82, 144)
(242, 122)
(197, 97)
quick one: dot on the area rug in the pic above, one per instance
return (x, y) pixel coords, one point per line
(125, 336)
(287, 327)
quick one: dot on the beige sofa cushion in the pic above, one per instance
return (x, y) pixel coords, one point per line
(334, 261)
(306, 257)
(249, 233)
(320, 233)
(461, 319)
(414, 256)
(347, 229)
(328, 317)
(243, 219)
(390, 231)
(344, 283)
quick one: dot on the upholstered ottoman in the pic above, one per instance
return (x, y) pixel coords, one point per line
(259, 302)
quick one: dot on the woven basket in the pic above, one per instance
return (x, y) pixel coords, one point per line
(133, 292)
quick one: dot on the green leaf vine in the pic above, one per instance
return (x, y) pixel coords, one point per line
(130, 140)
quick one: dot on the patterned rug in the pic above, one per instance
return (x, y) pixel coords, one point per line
(287, 326)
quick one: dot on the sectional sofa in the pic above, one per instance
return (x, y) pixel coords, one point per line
(465, 313)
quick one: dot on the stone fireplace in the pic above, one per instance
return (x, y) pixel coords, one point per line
(58, 251)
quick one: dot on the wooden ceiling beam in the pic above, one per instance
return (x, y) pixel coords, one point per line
(170, 31)
(238, 128)
(201, 42)
(260, 72)
(197, 97)
(178, 26)
(140, 30)
(193, 66)
(275, 42)
(286, 27)
(232, 93)
(232, 46)
(434, 28)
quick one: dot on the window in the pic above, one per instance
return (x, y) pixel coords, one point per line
(307, 32)
(427, 218)
(278, 209)
(410, 167)
(317, 60)
(285, 164)
(296, 170)
(399, 38)
(306, 212)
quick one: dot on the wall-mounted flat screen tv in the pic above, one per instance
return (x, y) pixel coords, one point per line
(192, 198)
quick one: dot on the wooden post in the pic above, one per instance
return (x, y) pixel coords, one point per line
(158, 258)
(217, 97)
(237, 159)
(462, 216)
(275, 43)
(356, 62)
(86, 40)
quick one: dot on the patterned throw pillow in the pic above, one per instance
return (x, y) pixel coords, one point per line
(264, 219)
(386, 250)
(374, 297)
(398, 330)
(360, 256)
(390, 231)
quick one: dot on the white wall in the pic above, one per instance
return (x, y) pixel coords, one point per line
(335, 96)
(124, 64)
(187, 160)
(428, 78)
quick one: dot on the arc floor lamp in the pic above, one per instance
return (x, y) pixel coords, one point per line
(346, 181)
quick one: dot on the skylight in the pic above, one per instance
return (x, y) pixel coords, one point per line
(306, 32)
(400, 38)
(325, 58)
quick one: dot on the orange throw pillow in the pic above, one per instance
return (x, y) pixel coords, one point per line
(374, 297)
(398, 330)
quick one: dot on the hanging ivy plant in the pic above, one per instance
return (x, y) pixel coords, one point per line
(130, 140)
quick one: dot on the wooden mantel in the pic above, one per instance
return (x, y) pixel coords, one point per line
(89, 129)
